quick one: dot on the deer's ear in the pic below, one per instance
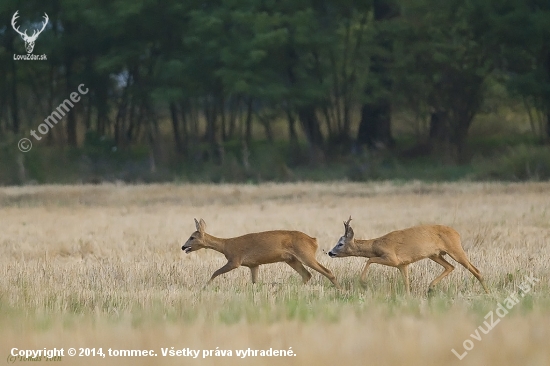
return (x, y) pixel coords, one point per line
(197, 225)
(349, 233)
(201, 226)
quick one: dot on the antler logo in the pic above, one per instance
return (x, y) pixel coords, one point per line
(29, 40)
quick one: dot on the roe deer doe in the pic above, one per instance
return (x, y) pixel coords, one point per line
(252, 250)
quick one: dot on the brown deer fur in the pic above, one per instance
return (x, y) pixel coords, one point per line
(252, 250)
(403, 247)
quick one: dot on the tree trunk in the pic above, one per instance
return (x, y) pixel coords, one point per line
(120, 117)
(266, 123)
(295, 153)
(14, 100)
(88, 112)
(440, 141)
(306, 113)
(293, 137)
(4, 104)
(234, 106)
(223, 116)
(375, 123)
(176, 128)
(101, 96)
(211, 120)
(248, 123)
(71, 129)
(71, 115)
(153, 133)
(439, 129)
(131, 123)
(548, 101)
(310, 125)
(460, 139)
(184, 112)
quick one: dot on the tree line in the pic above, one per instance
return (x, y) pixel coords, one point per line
(335, 72)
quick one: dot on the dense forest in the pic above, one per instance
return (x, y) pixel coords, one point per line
(240, 84)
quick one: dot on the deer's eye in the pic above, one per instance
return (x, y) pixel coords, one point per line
(340, 244)
(192, 238)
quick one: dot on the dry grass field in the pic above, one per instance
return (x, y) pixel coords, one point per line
(102, 266)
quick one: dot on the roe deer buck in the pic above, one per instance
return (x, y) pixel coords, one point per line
(403, 247)
(251, 250)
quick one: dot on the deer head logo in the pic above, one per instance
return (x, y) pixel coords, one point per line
(29, 40)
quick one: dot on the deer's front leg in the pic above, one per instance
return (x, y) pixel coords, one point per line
(363, 278)
(228, 267)
(254, 273)
(379, 260)
(405, 273)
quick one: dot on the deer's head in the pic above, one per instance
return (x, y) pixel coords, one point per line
(196, 240)
(344, 245)
(29, 40)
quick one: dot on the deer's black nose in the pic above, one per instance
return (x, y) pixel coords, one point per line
(331, 254)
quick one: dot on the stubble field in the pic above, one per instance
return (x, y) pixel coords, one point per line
(102, 267)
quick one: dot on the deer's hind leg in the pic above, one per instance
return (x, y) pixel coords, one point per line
(299, 267)
(313, 264)
(448, 269)
(463, 259)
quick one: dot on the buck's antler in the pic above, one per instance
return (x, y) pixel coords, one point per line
(346, 225)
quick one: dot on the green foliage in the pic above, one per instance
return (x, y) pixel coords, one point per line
(218, 72)
(524, 31)
(521, 163)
